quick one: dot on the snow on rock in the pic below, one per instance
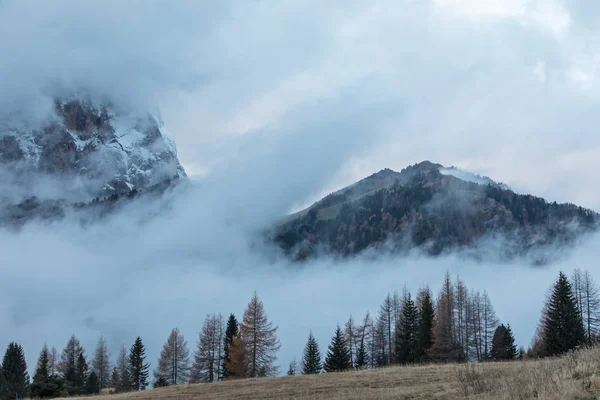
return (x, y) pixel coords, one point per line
(471, 177)
(91, 150)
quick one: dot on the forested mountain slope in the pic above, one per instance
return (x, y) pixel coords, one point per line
(427, 206)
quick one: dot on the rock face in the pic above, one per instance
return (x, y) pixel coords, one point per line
(432, 208)
(87, 151)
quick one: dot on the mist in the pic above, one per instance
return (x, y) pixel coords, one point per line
(268, 116)
(130, 275)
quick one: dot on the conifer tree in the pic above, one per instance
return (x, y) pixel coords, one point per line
(293, 368)
(237, 364)
(407, 332)
(2, 383)
(160, 381)
(311, 358)
(259, 338)
(476, 327)
(385, 334)
(41, 374)
(361, 355)
(590, 309)
(81, 373)
(338, 356)
(53, 362)
(72, 365)
(426, 318)
(115, 379)
(489, 324)
(503, 344)
(123, 371)
(101, 363)
(3, 388)
(351, 333)
(461, 309)
(138, 368)
(521, 353)
(368, 343)
(15, 379)
(45, 385)
(230, 332)
(92, 384)
(209, 353)
(445, 347)
(173, 364)
(562, 325)
(577, 286)
(379, 344)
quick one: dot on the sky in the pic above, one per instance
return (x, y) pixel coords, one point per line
(274, 104)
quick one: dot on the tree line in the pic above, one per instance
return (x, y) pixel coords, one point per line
(457, 325)
(242, 349)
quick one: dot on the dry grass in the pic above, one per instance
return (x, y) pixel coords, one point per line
(574, 376)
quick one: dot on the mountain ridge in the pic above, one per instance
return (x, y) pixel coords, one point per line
(426, 206)
(85, 156)
(89, 151)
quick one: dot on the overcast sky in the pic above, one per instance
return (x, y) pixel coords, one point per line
(273, 104)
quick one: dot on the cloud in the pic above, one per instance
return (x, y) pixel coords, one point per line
(121, 279)
(502, 88)
(127, 52)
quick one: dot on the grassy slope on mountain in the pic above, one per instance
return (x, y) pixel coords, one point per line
(574, 376)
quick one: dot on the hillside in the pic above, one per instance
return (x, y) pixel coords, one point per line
(433, 208)
(573, 376)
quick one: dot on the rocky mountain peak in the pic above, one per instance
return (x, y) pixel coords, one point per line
(87, 151)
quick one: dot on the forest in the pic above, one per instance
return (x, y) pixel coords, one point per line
(456, 325)
(436, 213)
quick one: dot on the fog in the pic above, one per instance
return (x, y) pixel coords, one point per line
(123, 277)
(273, 105)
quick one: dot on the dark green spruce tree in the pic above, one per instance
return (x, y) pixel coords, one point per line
(138, 368)
(81, 374)
(2, 384)
(503, 344)
(41, 377)
(231, 331)
(92, 384)
(15, 379)
(311, 358)
(362, 356)
(45, 385)
(562, 326)
(407, 332)
(338, 357)
(73, 366)
(426, 318)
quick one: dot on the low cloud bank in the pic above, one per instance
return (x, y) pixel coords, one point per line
(129, 276)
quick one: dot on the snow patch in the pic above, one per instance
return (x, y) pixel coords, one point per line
(79, 144)
(471, 177)
(30, 149)
(129, 153)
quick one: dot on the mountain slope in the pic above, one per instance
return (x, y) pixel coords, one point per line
(84, 152)
(90, 151)
(427, 206)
